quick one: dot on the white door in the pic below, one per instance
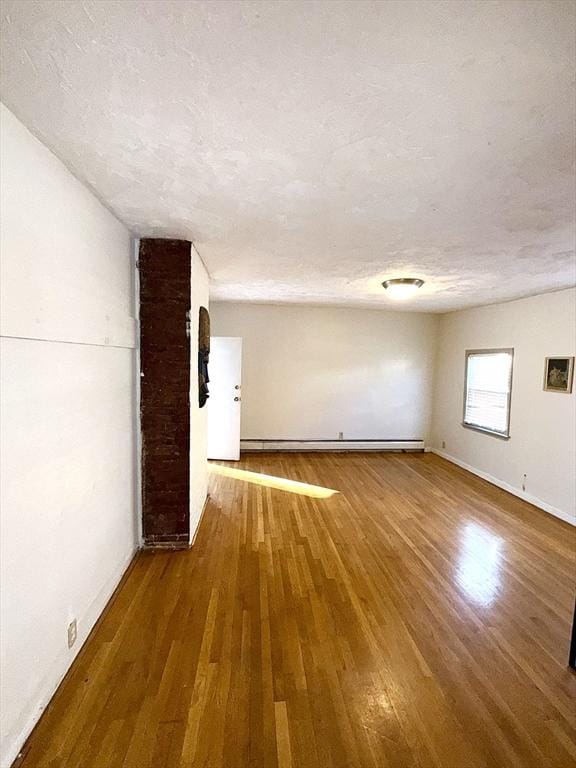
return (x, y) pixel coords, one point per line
(225, 372)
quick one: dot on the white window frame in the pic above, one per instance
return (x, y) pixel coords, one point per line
(476, 352)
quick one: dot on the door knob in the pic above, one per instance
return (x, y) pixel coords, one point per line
(236, 399)
(237, 386)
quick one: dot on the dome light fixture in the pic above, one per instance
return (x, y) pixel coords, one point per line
(402, 287)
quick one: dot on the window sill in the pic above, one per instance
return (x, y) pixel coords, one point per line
(501, 435)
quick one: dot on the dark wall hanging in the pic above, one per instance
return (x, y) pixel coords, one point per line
(203, 355)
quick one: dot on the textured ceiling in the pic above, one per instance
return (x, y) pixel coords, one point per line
(313, 149)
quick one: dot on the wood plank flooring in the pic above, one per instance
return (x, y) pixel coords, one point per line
(419, 617)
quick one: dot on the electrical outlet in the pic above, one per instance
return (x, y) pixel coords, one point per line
(340, 435)
(443, 444)
(72, 633)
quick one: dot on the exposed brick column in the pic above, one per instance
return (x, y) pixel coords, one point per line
(164, 267)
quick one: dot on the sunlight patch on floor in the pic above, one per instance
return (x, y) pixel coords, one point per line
(270, 481)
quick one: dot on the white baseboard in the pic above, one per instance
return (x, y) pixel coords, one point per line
(66, 658)
(566, 516)
(197, 524)
(331, 445)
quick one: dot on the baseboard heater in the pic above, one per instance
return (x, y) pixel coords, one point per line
(253, 444)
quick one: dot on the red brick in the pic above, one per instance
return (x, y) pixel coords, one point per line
(164, 267)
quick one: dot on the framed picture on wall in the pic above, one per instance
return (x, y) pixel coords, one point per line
(558, 374)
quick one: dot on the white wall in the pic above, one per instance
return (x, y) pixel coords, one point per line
(68, 518)
(198, 416)
(542, 441)
(312, 372)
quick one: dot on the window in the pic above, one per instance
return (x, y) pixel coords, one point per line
(487, 390)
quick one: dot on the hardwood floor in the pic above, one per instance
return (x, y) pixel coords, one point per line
(418, 617)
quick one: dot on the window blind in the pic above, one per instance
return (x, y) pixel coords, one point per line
(488, 385)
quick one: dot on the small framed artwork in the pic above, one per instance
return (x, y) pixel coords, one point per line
(558, 374)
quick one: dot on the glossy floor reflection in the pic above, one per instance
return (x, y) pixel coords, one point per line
(418, 618)
(479, 563)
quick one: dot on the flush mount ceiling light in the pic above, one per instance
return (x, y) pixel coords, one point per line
(402, 287)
